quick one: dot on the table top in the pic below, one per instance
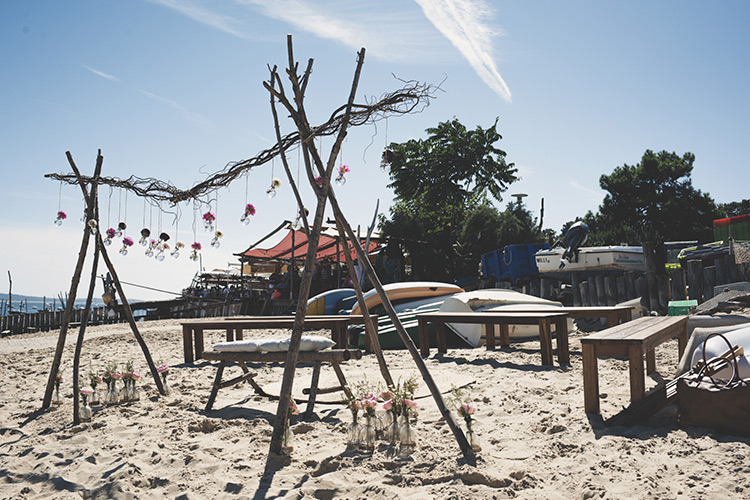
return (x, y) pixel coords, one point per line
(490, 316)
(636, 331)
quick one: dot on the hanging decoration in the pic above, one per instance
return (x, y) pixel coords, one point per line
(215, 241)
(145, 233)
(387, 157)
(110, 235)
(61, 216)
(249, 212)
(176, 252)
(121, 226)
(127, 242)
(196, 246)
(340, 179)
(208, 221)
(162, 246)
(275, 181)
(92, 226)
(298, 220)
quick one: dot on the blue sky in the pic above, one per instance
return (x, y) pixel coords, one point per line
(172, 89)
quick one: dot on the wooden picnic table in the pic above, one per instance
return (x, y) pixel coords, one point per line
(491, 318)
(612, 314)
(629, 340)
(192, 331)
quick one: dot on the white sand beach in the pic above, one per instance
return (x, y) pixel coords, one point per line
(537, 442)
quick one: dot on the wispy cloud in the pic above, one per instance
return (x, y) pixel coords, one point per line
(463, 23)
(594, 193)
(193, 117)
(187, 8)
(393, 36)
(101, 73)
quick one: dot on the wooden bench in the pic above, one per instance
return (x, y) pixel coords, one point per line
(491, 318)
(192, 331)
(629, 340)
(332, 356)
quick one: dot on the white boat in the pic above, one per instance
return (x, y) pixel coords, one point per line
(609, 258)
(496, 299)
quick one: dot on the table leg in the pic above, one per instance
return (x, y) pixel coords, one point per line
(545, 338)
(563, 347)
(313, 389)
(682, 340)
(650, 362)
(489, 334)
(626, 315)
(440, 333)
(238, 333)
(230, 334)
(504, 335)
(424, 338)
(337, 336)
(187, 343)
(612, 319)
(637, 379)
(217, 384)
(198, 343)
(590, 379)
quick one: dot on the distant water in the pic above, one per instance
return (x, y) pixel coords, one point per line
(29, 303)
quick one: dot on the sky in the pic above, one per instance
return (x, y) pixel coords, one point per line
(172, 89)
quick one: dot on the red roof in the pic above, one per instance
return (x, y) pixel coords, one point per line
(327, 249)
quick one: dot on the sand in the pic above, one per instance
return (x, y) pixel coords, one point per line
(537, 441)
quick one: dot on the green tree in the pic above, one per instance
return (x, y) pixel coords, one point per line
(652, 201)
(735, 208)
(437, 181)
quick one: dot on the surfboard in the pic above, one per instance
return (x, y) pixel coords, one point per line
(407, 290)
(327, 302)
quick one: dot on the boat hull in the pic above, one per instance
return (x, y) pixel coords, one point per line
(594, 259)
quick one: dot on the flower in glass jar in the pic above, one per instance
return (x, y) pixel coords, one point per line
(196, 246)
(249, 209)
(62, 215)
(110, 233)
(209, 217)
(127, 241)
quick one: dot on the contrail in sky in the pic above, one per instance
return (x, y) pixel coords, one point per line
(462, 22)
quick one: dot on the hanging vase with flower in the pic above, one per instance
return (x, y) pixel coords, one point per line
(145, 234)
(110, 235)
(61, 216)
(385, 160)
(340, 179)
(249, 212)
(196, 246)
(176, 252)
(121, 227)
(215, 241)
(275, 184)
(93, 226)
(208, 221)
(127, 242)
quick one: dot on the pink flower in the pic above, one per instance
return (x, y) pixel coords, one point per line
(116, 376)
(209, 217)
(294, 409)
(384, 395)
(87, 391)
(98, 378)
(468, 408)
(136, 374)
(410, 404)
(370, 403)
(319, 180)
(62, 215)
(343, 169)
(162, 368)
(127, 241)
(388, 405)
(110, 233)
(249, 209)
(196, 246)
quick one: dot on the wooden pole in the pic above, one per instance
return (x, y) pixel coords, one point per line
(374, 341)
(74, 281)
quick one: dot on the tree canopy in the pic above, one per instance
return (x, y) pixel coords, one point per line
(438, 182)
(653, 200)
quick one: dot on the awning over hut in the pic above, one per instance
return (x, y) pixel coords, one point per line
(294, 246)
